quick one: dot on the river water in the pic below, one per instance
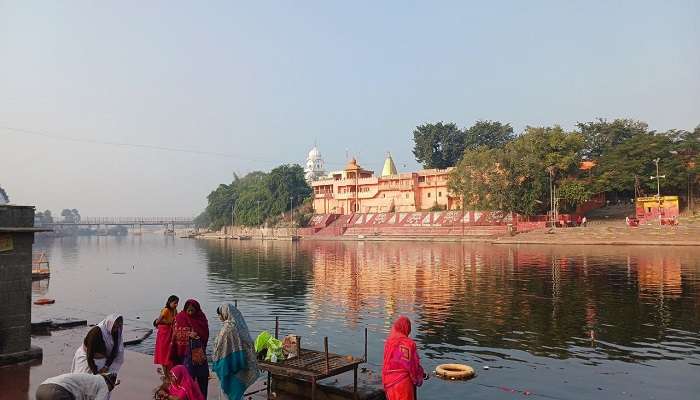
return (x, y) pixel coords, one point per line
(565, 322)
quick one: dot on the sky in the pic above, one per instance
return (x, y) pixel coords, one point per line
(247, 86)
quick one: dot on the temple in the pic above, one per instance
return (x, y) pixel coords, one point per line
(357, 190)
(314, 165)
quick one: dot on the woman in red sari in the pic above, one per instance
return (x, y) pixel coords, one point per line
(402, 371)
(189, 343)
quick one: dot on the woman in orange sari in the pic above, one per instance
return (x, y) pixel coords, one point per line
(402, 371)
(165, 323)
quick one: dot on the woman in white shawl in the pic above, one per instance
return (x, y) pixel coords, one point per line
(234, 357)
(103, 348)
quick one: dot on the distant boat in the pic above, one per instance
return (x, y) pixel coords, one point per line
(40, 266)
(169, 232)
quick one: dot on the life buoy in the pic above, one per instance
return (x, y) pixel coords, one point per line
(454, 371)
(41, 302)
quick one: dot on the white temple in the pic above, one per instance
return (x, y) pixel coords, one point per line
(314, 166)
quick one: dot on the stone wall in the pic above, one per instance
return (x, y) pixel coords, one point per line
(15, 279)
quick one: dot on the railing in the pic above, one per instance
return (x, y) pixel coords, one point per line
(126, 221)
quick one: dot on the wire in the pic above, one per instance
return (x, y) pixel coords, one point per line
(143, 146)
(134, 145)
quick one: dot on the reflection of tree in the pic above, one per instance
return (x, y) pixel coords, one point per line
(538, 299)
(272, 269)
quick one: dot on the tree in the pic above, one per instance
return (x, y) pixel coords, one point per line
(517, 177)
(47, 217)
(619, 165)
(67, 215)
(535, 157)
(573, 192)
(438, 145)
(602, 135)
(488, 134)
(481, 179)
(256, 197)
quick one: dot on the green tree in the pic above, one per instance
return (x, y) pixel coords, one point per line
(601, 135)
(481, 179)
(488, 134)
(438, 145)
(517, 177)
(572, 192)
(535, 157)
(256, 197)
(618, 167)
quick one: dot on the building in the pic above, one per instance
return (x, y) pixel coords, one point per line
(654, 208)
(16, 240)
(314, 165)
(356, 189)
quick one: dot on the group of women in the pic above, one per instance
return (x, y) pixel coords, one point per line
(181, 344)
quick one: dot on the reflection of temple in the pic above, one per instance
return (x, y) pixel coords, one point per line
(396, 278)
(659, 275)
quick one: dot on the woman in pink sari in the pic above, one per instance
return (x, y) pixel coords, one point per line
(181, 387)
(402, 371)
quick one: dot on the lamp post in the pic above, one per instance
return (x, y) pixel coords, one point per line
(291, 209)
(657, 177)
(658, 185)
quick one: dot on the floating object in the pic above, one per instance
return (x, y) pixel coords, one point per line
(454, 371)
(41, 302)
(486, 367)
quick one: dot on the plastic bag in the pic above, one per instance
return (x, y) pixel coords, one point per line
(273, 346)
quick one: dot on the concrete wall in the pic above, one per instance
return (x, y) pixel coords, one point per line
(16, 280)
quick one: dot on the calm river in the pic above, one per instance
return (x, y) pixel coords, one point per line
(573, 322)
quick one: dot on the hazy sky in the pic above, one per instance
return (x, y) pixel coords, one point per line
(262, 80)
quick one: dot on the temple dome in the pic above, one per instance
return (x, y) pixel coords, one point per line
(314, 165)
(389, 166)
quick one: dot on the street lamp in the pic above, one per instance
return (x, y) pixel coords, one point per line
(657, 177)
(658, 185)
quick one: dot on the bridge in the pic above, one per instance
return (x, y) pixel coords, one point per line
(129, 221)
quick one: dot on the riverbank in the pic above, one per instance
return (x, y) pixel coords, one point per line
(602, 233)
(138, 375)
(611, 233)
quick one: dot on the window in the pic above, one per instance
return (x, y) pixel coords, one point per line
(384, 195)
(428, 195)
(439, 194)
(421, 179)
(406, 195)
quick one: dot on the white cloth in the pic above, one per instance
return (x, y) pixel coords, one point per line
(80, 364)
(82, 386)
(106, 328)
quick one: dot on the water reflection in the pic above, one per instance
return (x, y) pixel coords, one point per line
(634, 311)
(566, 302)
